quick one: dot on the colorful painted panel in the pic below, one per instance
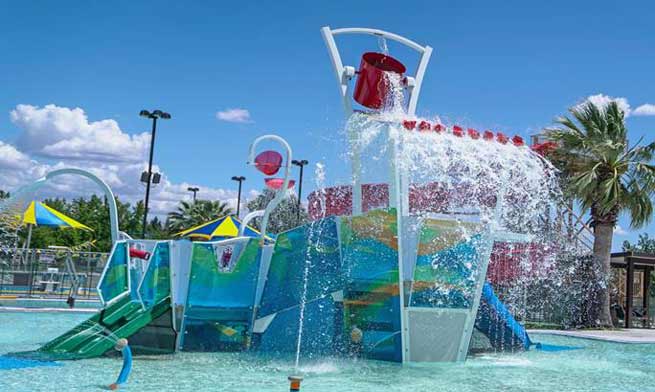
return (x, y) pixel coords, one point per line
(221, 281)
(156, 284)
(114, 280)
(371, 298)
(221, 295)
(447, 264)
(307, 253)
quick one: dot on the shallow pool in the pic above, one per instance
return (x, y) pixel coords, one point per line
(599, 366)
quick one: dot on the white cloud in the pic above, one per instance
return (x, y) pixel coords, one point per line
(100, 147)
(234, 115)
(618, 230)
(63, 133)
(647, 109)
(12, 159)
(602, 101)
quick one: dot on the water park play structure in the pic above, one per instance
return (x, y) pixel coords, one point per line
(392, 267)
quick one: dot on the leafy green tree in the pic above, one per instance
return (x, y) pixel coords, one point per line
(7, 226)
(284, 217)
(606, 174)
(644, 244)
(156, 229)
(191, 214)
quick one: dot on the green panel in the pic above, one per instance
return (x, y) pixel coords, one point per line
(114, 281)
(156, 283)
(89, 339)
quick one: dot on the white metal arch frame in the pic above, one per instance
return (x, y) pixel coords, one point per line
(345, 73)
(281, 193)
(113, 211)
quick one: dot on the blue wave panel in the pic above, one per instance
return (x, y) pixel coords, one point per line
(447, 278)
(313, 247)
(321, 331)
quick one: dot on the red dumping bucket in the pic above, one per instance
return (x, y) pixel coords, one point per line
(372, 88)
(268, 162)
(276, 183)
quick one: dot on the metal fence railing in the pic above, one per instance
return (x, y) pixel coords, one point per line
(43, 273)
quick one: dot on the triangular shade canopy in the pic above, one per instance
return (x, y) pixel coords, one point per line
(221, 228)
(39, 214)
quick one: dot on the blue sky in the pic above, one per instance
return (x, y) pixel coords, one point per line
(511, 66)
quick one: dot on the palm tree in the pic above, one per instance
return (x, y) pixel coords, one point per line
(606, 174)
(191, 214)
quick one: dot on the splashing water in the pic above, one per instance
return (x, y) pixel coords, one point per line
(382, 44)
(460, 173)
(315, 235)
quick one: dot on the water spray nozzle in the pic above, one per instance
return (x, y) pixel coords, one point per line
(294, 383)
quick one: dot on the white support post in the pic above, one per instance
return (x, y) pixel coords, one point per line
(395, 186)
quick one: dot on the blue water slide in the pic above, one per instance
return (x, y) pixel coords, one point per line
(497, 323)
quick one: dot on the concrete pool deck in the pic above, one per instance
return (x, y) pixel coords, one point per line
(630, 336)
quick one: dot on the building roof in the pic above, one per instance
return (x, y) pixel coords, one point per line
(620, 259)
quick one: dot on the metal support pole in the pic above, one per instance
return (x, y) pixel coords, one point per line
(2, 278)
(152, 148)
(299, 195)
(239, 200)
(301, 164)
(646, 290)
(239, 179)
(629, 283)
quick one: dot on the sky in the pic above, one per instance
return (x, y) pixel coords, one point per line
(74, 76)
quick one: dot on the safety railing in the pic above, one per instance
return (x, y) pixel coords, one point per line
(28, 273)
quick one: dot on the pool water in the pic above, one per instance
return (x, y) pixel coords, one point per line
(599, 366)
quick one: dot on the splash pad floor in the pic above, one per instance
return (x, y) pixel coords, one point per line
(599, 366)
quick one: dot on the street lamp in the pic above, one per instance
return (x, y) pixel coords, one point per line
(301, 164)
(156, 114)
(194, 190)
(239, 179)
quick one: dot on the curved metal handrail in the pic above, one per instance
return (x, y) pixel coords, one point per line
(113, 210)
(249, 217)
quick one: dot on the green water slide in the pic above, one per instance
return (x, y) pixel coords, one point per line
(137, 298)
(122, 319)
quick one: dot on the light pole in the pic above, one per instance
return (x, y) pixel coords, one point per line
(239, 179)
(300, 164)
(195, 190)
(154, 116)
